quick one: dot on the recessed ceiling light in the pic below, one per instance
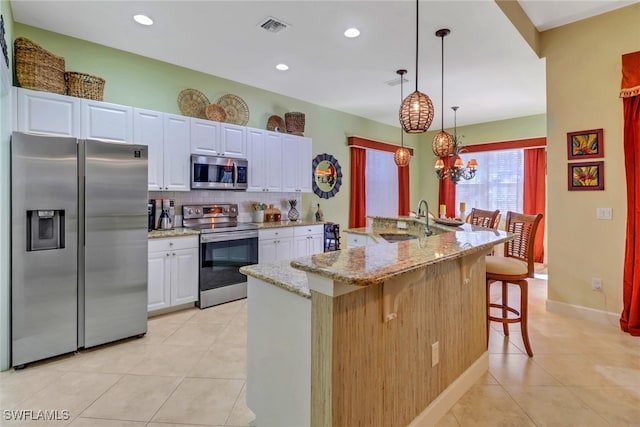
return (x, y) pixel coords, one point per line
(143, 19)
(351, 33)
(282, 67)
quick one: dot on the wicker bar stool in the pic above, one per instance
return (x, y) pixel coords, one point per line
(515, 267)
(484, 218)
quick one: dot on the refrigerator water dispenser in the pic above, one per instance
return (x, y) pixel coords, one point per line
(45, 230)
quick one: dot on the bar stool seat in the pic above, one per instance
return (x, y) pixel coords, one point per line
(515, 267)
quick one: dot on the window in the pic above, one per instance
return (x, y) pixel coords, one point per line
(498, 183)
(381, 176)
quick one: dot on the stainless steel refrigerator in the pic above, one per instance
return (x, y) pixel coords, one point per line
(79, 244)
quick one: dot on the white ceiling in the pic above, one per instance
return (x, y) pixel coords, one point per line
(490, 71)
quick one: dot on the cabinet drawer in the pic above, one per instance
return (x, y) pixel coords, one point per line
(274, 233)
(308, 230)
(173, 243)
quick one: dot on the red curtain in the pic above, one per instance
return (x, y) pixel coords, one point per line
(535, 193)
(358, 203)
(630, 316)
(447, 193)
(403, 190)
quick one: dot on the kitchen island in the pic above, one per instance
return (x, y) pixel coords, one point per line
(388, 334)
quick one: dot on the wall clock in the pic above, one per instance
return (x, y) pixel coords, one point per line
(327, 175)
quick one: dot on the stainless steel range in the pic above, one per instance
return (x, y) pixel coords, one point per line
(225, 246)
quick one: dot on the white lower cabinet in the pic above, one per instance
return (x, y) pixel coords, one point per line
(308, 240)
(355, 240)
(173, 272)
(275, 244)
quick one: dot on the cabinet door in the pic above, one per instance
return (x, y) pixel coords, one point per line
(289, 155)
(159, 278)
(272, 159)
(267, 251)
(305, 171)
(300, 246)
(107, 122)
(148, 130)
(205, 137)
(176, 153)
(233, 141)
(316, 244)
(47, 113)
(296, 155)
(184, 276)
(265, 160)
(255, 156)
(284, 248)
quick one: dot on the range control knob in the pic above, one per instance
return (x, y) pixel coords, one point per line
(198, 211)
(190, 211)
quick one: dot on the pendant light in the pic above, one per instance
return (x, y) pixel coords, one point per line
(402, 155)
(416, 111)
(442, 141)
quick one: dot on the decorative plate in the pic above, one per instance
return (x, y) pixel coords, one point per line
(216, 113)
(276, 123)
(236, 109)
(193, 103)
(449, 222)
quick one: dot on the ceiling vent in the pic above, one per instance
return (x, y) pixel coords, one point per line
(273, 25)
(396, 81)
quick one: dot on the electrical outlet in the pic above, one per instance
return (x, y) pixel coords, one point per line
(596, 284)
(604, 213)
(402, 225)
(435, 353)
(314, 204)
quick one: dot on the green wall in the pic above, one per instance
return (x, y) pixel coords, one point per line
(5, 235)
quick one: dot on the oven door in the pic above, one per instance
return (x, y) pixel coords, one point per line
(221, 256)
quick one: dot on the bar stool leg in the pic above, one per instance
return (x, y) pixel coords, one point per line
(488, 287)
(505, 312)
(524, 304)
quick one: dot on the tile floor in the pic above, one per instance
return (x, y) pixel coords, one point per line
(190, 370)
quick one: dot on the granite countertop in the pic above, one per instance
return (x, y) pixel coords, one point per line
(367, 265)
(280, 274)
(267, 225)
(174, 232)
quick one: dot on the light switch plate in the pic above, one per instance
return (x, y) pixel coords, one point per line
(604, 213)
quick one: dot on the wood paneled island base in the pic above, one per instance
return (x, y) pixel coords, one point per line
(366, 371)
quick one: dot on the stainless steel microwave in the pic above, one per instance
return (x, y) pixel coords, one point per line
(218, 173)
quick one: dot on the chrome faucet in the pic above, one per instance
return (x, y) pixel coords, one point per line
(427, 231)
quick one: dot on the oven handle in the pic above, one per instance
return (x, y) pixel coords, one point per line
(235, 174)
(225, 237)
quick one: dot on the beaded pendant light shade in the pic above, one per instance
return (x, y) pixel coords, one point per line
(416, 111)
(443, 144)
(402, 156)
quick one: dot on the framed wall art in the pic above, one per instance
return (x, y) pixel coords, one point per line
(327, 175)
(586, 176)
(586, 144)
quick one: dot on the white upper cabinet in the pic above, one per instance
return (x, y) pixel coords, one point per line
(296, 155)
(106, 122)
(47, 113)
(205, 137)
(177, 159)
(218, 139)
(233, 141)
(148, 129)
(265, 162)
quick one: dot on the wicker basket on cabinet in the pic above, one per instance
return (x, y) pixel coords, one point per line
(37, 68)
(294, 122)
(84, 85)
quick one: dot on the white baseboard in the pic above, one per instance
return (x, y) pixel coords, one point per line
(441, 405)
(586, 313)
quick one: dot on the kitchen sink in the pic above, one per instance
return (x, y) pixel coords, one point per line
(396, 237)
